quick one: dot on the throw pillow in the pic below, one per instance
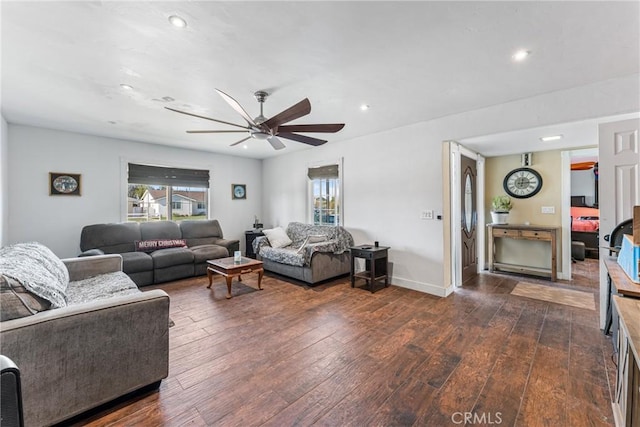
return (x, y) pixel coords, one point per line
(277, 237)
(36, 268)
(312, 239)
(16, 301)
(155, 244)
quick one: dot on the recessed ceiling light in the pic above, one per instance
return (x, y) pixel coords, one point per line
(550, 138)
(126, 86)
(364, 107)
(521, 55)
(245, 146)
(177, 21)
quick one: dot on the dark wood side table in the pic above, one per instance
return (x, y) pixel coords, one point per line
(376, 259)
(249, 237)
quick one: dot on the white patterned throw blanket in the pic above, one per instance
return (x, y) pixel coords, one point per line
(37, 269)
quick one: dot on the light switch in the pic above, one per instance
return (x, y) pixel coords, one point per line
(548, 209)
(426, 214)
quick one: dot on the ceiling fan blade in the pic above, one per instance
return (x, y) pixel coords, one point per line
(324, 128)
(216, 131)
(302, 138)
(275, 143)
(240, 142)
(206, 118)
(236, 106)
(302, 108)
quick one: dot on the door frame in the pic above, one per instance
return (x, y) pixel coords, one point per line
(455, 188)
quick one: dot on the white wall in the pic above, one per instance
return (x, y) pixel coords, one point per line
(57, 221)
(4, 181)
(389, 177)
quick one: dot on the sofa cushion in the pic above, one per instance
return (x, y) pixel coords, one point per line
(91, 252)
(201, 232)
(37, 269)
(16, 301)
(298, 232)
(203, 253)
(159, 230)
(111, 238)
(99, 287)
(288, 256)
(155, 244)
(277, 237)
(173, 256)
(311, 239)
(135, 262)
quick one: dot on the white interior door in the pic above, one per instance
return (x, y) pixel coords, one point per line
(619, 184)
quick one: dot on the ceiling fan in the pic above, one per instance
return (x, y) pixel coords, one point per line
(270, 129)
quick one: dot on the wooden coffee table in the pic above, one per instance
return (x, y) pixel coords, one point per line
(229, 269)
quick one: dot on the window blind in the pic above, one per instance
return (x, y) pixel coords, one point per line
(328, 171)
(176, 177)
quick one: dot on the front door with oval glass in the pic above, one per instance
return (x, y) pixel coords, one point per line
(469, 217)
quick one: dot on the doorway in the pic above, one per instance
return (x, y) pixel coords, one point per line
(465, 201)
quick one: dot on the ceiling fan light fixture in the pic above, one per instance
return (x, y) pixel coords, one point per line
(257, 134)
(177, 21)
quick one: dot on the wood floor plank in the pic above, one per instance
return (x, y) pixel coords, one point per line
(295, 355)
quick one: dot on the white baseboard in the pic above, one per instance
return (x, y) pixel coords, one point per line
(564, 276)
(427, 288)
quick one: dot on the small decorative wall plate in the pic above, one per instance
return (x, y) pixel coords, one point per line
(64, 184)
(238, 191)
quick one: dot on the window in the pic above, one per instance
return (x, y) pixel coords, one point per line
(150, 187)
(325, 194)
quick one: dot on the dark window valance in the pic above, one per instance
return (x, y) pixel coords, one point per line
(176, 177)
(328, 171)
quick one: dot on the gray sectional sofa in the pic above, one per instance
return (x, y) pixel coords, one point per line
(79, 330)
(203, 239)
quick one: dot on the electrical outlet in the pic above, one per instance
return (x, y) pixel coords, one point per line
(548, 209)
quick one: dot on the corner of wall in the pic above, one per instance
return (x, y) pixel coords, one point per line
(4, 181)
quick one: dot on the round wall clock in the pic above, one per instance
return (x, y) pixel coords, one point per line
(522, 183)
(238, 191)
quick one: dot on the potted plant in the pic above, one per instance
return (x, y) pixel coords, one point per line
(500, 207)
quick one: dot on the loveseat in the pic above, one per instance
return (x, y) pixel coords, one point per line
(159, 251)
(79, 330)
(310, 253)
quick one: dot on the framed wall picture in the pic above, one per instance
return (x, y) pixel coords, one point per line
(238, 191)
(64, 184)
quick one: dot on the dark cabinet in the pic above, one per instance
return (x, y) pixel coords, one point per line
(249, 237)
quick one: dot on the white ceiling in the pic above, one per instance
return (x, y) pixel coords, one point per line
(63, 62)
(574, 135)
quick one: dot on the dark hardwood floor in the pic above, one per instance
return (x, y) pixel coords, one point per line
(331, 355)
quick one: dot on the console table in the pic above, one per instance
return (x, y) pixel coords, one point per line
(626, 399)
(523, 232)
(618, 284)
(376, 259)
